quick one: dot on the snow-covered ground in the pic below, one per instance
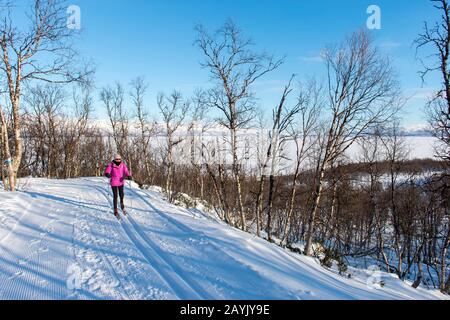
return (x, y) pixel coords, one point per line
(59, 240)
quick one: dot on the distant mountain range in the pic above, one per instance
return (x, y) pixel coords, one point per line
(416, 130)
(421, 130)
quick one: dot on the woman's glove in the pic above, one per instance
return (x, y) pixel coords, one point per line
(130, 178)
(108, 175)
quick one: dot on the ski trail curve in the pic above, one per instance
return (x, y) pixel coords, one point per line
(217, 249)
(209, 248)
(139, 279)
(185, 229)
(191, 283)
(184, 287)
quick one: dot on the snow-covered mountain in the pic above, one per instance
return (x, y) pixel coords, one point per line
(417, 130)
(418, 140)
(59, 240)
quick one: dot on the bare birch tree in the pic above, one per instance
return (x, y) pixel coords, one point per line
(39, 50)
(173, 110)
(235, 68)
(371, 156)
(198, 126)
(282, 118)
(362, 92)
(75, 127)
(113, 101)
(147, 129)
(302, 133)
(438, 38)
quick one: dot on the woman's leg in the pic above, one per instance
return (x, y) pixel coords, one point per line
(122, 195)
(115, 192)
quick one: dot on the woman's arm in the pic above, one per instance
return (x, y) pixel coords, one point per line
(108, 171)
(126, 172)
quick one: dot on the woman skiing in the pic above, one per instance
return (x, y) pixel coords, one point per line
(117, 172)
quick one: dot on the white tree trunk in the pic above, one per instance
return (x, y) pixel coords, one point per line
(6, 151)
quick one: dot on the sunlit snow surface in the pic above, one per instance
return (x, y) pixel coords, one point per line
(59, 240)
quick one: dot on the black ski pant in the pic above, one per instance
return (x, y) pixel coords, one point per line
(118, 191)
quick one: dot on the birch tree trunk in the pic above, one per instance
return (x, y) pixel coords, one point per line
(6, 151)
(237, 178)
(313, 215)
(445, 284)
(273, 156)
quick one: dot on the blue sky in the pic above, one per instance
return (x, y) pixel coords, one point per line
(154, 38)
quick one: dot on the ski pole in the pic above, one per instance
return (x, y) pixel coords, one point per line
(108, 189)
(131, 201)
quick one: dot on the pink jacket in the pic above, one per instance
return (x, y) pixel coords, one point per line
(118, 174)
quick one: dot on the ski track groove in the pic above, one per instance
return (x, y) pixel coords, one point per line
(28, 273)
(188, 231)
(121, 230)
(138, 292)
(14, 227)
(197, 235)
(178, 284)
(171, 263)
(109, 266)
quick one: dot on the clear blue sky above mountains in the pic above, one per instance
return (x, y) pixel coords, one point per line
(154, 38)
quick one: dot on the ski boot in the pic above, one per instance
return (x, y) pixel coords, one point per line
(122, 206)
(116, 214)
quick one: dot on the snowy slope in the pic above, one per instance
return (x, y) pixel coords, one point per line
(58, 240)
